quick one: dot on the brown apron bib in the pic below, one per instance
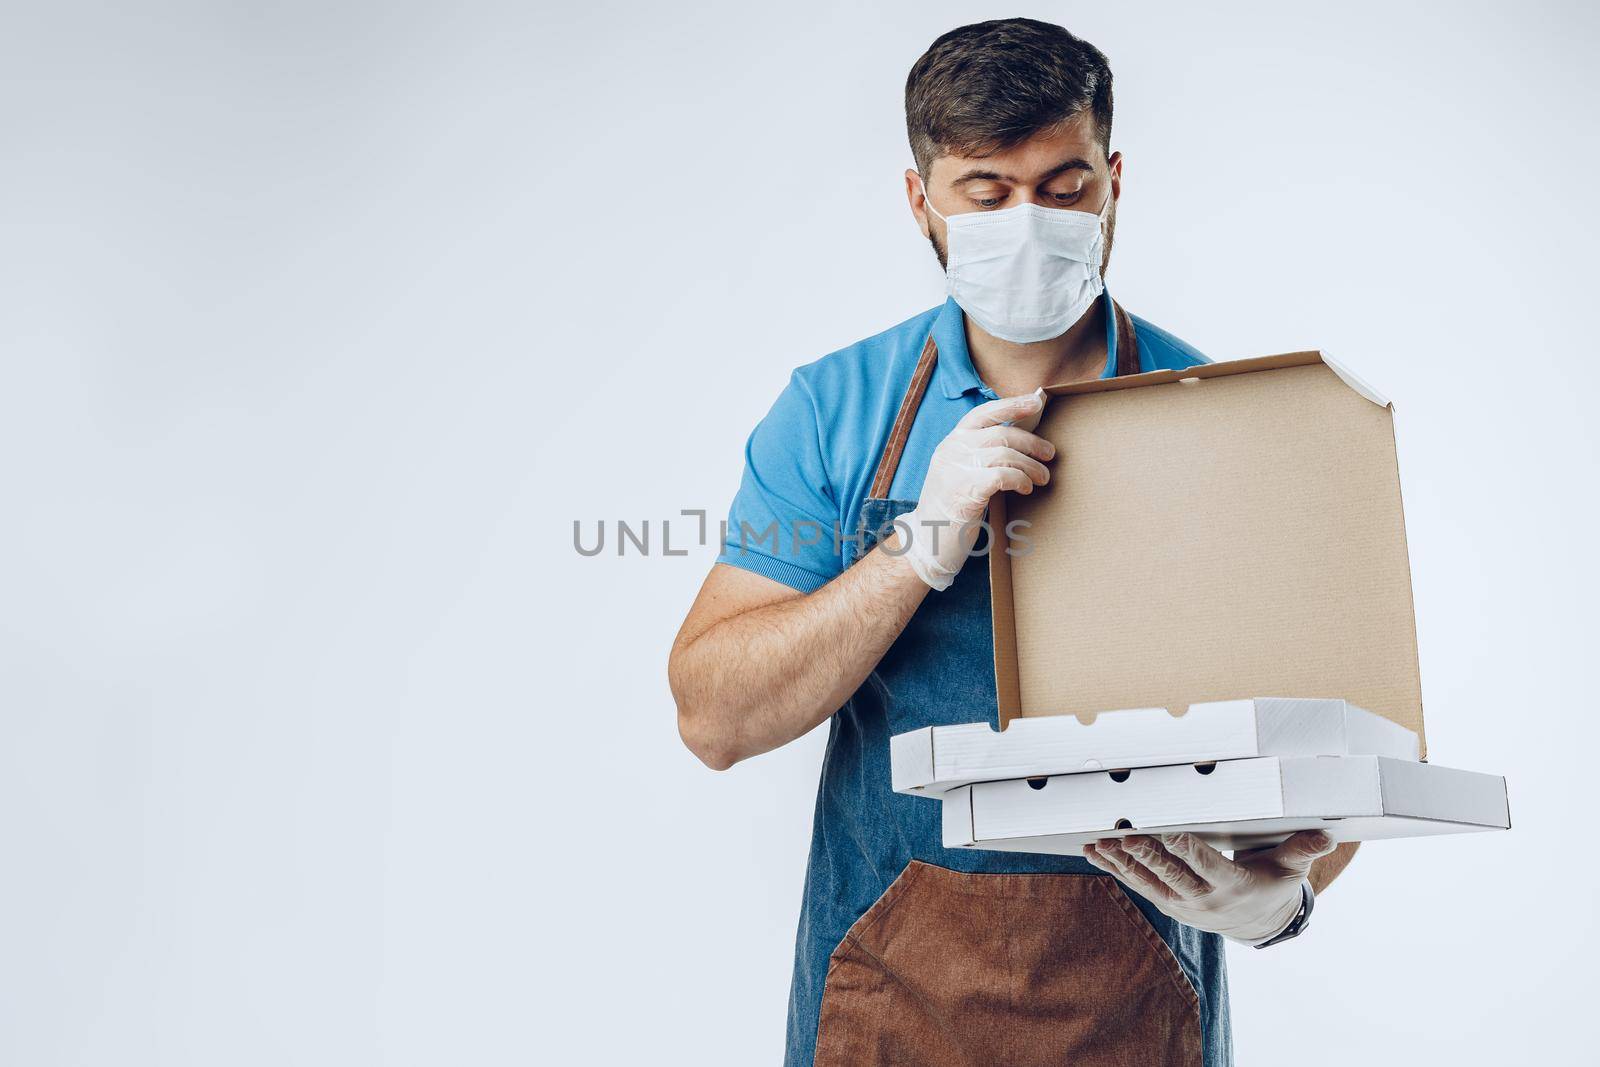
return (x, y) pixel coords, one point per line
(952, 968)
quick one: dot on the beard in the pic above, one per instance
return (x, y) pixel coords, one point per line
(1105, 256)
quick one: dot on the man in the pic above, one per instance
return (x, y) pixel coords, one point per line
(821, 607)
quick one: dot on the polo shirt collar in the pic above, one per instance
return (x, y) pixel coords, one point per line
(957, 375)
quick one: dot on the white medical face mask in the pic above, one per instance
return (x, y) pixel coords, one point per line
(1024, 273)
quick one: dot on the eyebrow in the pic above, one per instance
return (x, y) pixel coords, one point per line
(994, 176)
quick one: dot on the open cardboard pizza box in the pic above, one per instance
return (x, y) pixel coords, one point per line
(1222, 548)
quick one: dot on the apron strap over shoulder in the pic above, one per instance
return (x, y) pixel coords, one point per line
(1127, 342)
(900, 433)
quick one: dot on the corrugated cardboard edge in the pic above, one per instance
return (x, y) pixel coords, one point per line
(1405, 538)
(1008, 686)
(911, 760)
(1221, 369)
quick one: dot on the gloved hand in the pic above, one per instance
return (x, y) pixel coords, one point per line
(980, 457)
(1249, 898)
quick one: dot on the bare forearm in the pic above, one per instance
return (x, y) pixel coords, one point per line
(1326, 869)
(763, 678)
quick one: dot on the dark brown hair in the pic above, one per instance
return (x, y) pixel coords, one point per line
(990, 86)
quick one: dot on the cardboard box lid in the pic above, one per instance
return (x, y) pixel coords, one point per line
(1209, 534)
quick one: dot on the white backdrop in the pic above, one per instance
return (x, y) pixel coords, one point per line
(321, 323)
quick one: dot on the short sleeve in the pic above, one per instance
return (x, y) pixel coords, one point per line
(784, 519)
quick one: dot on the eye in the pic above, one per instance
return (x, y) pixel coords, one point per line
(989, 201)
(1066, 198)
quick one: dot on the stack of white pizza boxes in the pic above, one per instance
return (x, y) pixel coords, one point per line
(1239, 773)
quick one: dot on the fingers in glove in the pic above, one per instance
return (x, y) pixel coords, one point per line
(996, 479)
(1098, 856)
(1203, 860)
(1301, 850)
(1037, 472)
(1000, 411)
(1174, 873)
(973, 497)
(1011, 437)
(1131, 871)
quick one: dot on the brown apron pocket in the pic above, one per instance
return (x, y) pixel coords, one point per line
(1015, 969)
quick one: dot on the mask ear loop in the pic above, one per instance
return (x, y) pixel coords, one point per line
(927, 201)
(1104, 216)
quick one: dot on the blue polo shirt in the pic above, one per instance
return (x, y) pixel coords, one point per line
(809, 464)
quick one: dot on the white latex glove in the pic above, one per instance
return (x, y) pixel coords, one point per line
(1249, 898)
(980, 457)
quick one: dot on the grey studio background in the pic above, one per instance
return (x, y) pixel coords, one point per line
(322, 322)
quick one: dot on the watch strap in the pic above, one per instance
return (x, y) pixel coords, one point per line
(1301, 920)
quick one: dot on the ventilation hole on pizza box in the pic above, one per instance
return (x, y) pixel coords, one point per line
(1122, 824)
(1119, 776)
(1037, 783)
(1205, 768)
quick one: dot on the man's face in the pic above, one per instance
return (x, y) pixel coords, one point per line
(1063, 167)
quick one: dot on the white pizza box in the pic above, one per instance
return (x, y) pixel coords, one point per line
(929, 761)
(1232, 804)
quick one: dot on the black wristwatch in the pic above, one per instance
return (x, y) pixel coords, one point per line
(1301, 920)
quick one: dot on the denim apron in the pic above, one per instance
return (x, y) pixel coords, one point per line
(909, 953)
